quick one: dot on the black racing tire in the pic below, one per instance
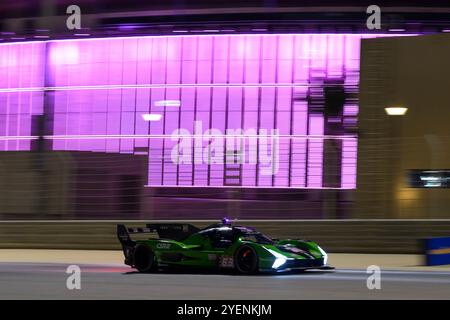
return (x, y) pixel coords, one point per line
(144, 259)
(246, 260)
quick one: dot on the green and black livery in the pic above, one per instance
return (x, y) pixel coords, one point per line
(221, 246)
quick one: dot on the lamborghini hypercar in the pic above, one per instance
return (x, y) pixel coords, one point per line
(222, 245)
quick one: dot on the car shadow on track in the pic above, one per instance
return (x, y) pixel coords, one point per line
(230, 273)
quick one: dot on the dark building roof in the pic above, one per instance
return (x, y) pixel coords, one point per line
(20, 19)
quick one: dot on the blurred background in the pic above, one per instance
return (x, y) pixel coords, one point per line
(321, 120)
(88, 116)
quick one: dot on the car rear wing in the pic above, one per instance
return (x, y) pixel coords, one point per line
(171, 231)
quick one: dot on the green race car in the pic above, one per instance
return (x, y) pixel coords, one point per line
(222, 245)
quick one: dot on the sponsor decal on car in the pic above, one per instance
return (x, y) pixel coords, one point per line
(163, 245)
(226, 262)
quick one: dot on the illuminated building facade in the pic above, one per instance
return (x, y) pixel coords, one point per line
(97, 94)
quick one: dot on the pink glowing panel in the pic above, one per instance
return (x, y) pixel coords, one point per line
(201, 107)
(351, 52)
(350, 110)
(348, 169)
(335, 56)
(315, 152)
(21, 66)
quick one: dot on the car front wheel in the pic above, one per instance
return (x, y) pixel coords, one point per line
(246, 260)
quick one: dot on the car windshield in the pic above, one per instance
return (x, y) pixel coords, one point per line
(256, 237)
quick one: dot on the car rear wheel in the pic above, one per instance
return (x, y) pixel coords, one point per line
(144, 259)
(246, 260)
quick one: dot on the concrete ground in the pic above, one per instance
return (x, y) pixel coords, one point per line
(41, 274)
(406, 262)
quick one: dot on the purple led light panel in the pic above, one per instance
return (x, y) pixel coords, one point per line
(259, 82)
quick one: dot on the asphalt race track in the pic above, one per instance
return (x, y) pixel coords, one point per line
(48, 281)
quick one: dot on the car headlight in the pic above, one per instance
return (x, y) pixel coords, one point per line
(324, 254)
(279, 259)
